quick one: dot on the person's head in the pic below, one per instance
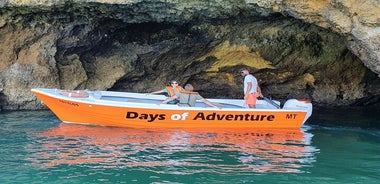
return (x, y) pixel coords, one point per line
(174, 83)
(244, 72)
(189, 87)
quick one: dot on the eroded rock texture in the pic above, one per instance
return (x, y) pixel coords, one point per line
(326, 51)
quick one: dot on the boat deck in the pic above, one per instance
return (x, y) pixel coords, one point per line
(156, 101)
(141, 99)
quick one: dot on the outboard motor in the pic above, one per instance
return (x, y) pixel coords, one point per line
(299, 104)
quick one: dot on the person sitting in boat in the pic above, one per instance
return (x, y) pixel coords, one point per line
(188, 98)
(172, 89)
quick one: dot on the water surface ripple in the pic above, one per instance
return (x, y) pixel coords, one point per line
(38, 148)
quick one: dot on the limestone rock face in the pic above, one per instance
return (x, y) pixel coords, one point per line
(358, 21)
(326, 51)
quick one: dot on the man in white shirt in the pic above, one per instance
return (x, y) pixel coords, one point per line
(251, 88)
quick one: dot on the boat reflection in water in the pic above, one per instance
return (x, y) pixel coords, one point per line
(177, 151)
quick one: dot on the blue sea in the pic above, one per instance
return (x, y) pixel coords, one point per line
(334, 146)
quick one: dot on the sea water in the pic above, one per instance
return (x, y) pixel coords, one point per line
(37, 148)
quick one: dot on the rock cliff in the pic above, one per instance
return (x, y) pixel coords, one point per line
(326, 51)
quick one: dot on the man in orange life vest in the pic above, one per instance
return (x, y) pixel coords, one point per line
(188, 97)
(171, 90)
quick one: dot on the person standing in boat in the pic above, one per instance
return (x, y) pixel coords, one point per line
(188, 98)
(172, 89)
(251, 88)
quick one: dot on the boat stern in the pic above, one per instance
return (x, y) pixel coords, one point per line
(296, 104)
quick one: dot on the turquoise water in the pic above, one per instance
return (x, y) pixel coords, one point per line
(37, 148)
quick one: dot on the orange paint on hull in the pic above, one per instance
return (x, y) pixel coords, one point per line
(72, 111)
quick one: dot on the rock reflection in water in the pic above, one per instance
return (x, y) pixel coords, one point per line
(176, 151)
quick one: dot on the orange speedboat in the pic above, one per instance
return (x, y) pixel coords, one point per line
(138, 110)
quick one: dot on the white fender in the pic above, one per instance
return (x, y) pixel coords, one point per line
(300, 105)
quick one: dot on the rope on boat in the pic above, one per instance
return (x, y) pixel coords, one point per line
(74, 93)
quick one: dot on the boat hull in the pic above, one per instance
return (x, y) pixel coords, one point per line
(74, 110)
